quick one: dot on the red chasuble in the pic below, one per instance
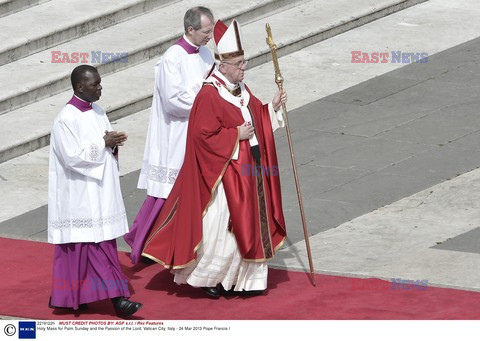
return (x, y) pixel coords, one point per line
(252, 189)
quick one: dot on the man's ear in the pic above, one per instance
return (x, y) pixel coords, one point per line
(79, 87)
(190, 30)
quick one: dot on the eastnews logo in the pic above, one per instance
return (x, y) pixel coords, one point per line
(408, 284)
(94, 57)
(254, 170)
(395, 284)
(396, 57)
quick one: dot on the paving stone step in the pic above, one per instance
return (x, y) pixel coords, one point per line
(8, 7)
(140, 39)
(56, 21)
(130, 90)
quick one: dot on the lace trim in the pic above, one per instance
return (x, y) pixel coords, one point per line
(161, 174)
(86, 223)
(94, 151)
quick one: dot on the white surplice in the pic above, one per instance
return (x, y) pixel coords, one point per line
(178, 79)
(218, 258)
(84, 197)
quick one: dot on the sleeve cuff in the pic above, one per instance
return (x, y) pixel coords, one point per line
(276, 117)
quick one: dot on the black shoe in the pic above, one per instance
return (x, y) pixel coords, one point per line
(245, 293)
(83, 306)
(146, 260)
(251, 292)
(211, 291)
(124, 307)
(230, 292)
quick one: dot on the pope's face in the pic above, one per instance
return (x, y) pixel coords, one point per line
(202, 36)
(234, 69)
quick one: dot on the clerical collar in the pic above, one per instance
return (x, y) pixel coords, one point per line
(187, 45)
(80, 104)
(234, 89)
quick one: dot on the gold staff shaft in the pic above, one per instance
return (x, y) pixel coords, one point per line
(279, 81)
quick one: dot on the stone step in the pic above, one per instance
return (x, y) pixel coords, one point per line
(140, 39)
(57, 21)
(8, 7)
(130, 90)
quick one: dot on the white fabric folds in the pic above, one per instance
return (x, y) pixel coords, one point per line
(178, 78)
(84, 197)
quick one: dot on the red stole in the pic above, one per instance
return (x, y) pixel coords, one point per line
(254, 202)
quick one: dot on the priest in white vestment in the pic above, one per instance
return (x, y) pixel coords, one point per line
(85, 206)
(178, 77)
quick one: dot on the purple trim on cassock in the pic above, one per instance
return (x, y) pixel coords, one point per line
(86, 272)
(80, 104)
(186, 46)
(142, 225)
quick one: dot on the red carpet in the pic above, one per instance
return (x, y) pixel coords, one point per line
(26, 281)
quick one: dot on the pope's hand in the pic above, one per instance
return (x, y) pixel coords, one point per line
(279, 99)
(245, 131)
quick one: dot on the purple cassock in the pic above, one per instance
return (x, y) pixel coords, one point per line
(86, 272)
(142, 226)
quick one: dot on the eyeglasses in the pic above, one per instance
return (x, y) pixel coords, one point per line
(238, 64)
(207, 33)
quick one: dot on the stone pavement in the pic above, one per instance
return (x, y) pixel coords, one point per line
(387, 152)
(142, 38)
